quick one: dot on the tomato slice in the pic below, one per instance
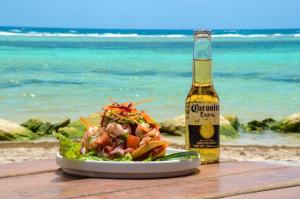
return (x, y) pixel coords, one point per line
(133, 141)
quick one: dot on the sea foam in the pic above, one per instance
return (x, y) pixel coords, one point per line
(72, 33)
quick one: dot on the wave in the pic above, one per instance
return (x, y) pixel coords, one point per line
(72, 33)
(255, 35)
(15, 30)
(13, 83)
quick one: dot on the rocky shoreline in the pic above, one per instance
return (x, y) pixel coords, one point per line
(231, 127)
(34, 128)
(33, 139)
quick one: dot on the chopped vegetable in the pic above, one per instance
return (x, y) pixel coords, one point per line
(133, 141)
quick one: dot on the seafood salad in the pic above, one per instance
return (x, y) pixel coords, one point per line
(124, 130)
(123, 134)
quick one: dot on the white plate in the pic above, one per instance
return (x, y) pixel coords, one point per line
(111, 169)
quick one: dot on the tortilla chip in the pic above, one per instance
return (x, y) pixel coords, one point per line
(147, 147)
(161, 153)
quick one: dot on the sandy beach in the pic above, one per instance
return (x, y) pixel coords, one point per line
(25, 151)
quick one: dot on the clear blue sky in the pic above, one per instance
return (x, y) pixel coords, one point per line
(178, 14)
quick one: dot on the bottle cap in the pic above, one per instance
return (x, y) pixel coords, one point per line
(202, 33)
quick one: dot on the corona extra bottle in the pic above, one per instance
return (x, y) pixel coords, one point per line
(202, 104)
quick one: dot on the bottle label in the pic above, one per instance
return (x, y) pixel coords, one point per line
(204, 125)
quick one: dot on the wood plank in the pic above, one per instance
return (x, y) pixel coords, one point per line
(59, 185)
(206, 171)
(215, 187)
(40, 166)
(27, 168)
(290, 193)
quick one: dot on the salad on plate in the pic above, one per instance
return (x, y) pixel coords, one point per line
(124, 133)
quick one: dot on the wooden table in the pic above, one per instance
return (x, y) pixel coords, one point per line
(43, 179)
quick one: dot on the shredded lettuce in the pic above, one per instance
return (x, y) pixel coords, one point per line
(126, 158)
(92, 155)
(149, 158)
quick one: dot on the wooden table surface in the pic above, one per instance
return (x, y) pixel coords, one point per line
(234, 180)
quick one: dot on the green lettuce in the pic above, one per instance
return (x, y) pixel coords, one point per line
(92, 155)
(68, 148)
(125, 158)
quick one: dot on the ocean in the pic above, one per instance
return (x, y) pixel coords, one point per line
(56, 73)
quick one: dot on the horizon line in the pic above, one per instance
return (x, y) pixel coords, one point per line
(90, 28)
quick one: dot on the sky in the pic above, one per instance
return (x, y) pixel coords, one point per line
(151, 14)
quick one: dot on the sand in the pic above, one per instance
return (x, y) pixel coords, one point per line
(26, 151)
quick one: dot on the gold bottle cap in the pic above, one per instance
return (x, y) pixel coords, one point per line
(202, 33)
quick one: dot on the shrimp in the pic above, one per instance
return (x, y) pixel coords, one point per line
(115, 129)
(89, 134)
(145, 140)
(142, 129)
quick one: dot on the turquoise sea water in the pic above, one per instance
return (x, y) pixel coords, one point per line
(59, 73)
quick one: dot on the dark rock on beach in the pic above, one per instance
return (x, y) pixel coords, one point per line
(255, 125)
(259, 126)
(32, 124)
(290, 124)
(268, 121)
(43, 128)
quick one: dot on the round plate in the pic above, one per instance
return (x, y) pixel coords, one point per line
(112, 169)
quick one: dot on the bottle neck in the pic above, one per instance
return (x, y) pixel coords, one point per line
(202, 73)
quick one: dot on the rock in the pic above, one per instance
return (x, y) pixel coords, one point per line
(268, 121)
(289, 124)
(259, 126)
(255, 125)
(32, 124)
(12, 131)
(226, 128)
(71, 132)
(176, 127)
(234, 121)
(74, 130)
(60, 125)
(45, 128)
